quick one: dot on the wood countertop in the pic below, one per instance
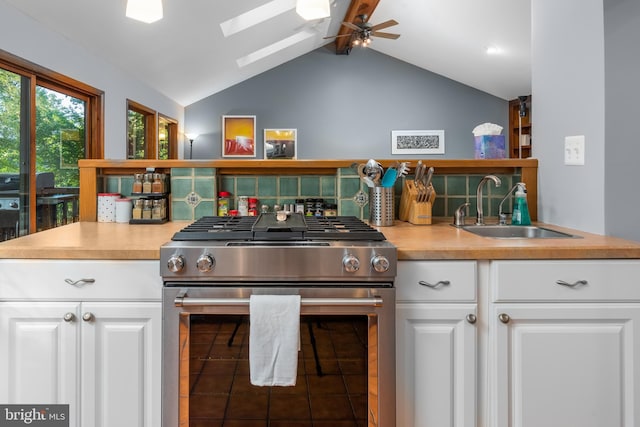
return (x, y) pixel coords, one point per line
(440, 241)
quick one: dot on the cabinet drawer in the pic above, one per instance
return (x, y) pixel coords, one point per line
(604, 280)
(448, 280)
(113, 280)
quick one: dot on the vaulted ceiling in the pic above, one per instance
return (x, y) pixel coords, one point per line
(201, 47)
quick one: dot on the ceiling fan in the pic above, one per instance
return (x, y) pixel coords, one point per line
(363, 31)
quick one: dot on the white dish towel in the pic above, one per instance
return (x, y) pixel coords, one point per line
(274, 331)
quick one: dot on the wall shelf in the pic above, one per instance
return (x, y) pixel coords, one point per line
(90, 169)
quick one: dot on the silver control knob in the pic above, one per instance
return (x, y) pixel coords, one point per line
(175, 263)
(69, 317)
(380, 263)
(205, 263)
(87, 317)
(13, 205)
(351, 263)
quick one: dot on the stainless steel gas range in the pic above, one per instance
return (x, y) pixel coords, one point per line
(344, 272)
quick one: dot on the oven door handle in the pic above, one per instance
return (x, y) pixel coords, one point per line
(183, 300)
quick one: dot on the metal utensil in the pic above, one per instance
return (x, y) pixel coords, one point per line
(373, 170)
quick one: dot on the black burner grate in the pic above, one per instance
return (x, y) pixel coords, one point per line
(265, 227)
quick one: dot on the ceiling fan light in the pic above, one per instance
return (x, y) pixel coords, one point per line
(147, 11)
(313, 9)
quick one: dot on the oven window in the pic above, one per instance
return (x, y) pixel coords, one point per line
(331, 388)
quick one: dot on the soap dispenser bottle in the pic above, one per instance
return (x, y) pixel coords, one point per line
(520, 214)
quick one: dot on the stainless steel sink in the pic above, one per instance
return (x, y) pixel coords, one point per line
(516, 232)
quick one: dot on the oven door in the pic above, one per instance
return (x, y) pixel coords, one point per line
(346, 363)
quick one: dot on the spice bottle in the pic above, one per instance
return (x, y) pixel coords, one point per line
(146, 209)
(156, 210)
(137, 208)
(253, 206)
(156, 185)
(147, 183)
(223, 203)
(331, 209)
(137, 183)
(243, 205)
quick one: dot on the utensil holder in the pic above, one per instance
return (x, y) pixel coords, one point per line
(381, 206)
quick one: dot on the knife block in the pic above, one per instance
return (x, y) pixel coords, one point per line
(417, 213)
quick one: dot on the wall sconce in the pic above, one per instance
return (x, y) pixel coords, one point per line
(191, 137)
(313, 9)
(144, 10)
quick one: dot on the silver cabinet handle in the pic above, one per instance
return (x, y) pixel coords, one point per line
(434, 285)
(88, 316)
(504, 317)
(471, 318)
(80, 282)
(572, 285)
(69, 317)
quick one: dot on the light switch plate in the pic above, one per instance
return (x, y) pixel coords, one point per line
(574, 150)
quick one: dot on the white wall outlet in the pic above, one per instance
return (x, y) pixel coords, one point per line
(574, 150)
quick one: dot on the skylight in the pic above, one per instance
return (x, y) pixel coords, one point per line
(256, 16)
(273, 48)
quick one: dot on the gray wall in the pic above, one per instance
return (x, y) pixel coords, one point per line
(568, 94)
(622, 101)
(345, 107)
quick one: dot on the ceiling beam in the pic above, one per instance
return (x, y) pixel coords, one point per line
(357, 7)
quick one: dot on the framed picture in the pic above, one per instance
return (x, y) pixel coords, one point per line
(238, 136)
(280, 143)
(417, 142)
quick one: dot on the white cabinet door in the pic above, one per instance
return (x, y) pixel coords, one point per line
(39, 354)
(121, 370)
(560, 365)
(436, 365)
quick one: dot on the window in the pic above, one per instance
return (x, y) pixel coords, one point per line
(167, 138)
(150, 135)
(47, 123)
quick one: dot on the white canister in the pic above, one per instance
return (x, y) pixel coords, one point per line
(107, 207)
(123, 209)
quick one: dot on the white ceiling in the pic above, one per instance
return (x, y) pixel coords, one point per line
(187, 57)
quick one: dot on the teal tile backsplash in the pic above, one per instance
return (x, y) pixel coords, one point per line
(194, 190)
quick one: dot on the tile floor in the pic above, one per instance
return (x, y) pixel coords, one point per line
(222, 396)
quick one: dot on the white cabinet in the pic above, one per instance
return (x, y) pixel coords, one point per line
(39, 352)
(101, 355)
(436, 344)
(564, 343)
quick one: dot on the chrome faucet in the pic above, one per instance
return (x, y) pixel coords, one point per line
(483, 181)
(502, 217)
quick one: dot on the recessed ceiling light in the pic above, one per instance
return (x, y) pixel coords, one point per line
(494, 50)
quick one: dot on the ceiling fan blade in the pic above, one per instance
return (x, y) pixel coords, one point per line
(335, 37)
(385, 35)
(352, 26)
(385, 24)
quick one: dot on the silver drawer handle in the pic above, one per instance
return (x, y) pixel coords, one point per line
(572, 285)
(434, 285)
(80, 282)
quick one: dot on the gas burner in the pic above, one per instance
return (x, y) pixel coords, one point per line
(266, 227)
